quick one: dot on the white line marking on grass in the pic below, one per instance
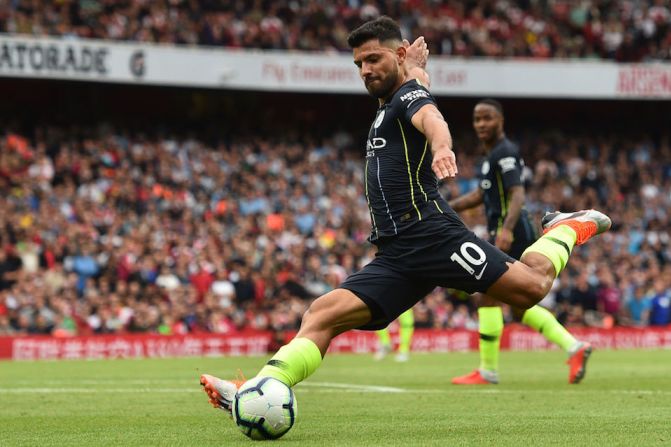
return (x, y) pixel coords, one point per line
(95, 390)
(329, 387)
(354, 387)
(110, 381)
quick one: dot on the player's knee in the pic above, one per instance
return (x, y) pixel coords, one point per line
(316, 317)
(334, 313)
(534, 292)
(323, 315)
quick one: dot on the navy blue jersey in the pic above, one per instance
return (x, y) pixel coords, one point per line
(401, 188)
(498, 172)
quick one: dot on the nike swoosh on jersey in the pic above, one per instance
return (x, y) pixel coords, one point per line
(479, 275)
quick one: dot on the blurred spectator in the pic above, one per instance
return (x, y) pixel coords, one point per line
(623, 31)
(608, 296)
(638, 307)
(660, 304)
(170, 236)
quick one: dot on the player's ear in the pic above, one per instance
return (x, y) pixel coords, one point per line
(401, 54)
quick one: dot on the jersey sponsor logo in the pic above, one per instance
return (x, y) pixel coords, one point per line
(373, 144)
(378, 120)
(413, 96)
(507, 164)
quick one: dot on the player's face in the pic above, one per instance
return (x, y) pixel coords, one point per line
(487, 122)
(378, 67)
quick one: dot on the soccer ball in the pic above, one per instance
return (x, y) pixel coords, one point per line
(264, 408)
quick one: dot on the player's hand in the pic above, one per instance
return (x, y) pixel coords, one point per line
(504, 239)
(444, 163)
(417, 54)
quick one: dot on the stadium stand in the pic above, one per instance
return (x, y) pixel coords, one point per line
(115, 232)
(625, 31)
(231, 224)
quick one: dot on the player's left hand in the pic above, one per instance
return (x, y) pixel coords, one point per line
(504, 239)
(444, 163)
(417, 54)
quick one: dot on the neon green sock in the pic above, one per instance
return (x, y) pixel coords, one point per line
(541, 320)
(556, 245)
(407, 322)
(491, 328)
(294, 362)
(385, 339)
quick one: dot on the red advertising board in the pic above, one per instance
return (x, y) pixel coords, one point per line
(651, 80)
(256, 343)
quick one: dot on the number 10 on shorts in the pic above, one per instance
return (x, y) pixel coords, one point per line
(470, 258)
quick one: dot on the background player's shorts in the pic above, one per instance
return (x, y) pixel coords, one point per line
(523, 236)
(437, 251)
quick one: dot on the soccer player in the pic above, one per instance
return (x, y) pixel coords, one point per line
(406, 327)
(421, 241)
(501, 190)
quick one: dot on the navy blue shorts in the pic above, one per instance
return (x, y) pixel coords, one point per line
(439, 251)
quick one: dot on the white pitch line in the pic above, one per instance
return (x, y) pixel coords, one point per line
(354, 387)
(106, 381)
(95, 390)
(328, 387)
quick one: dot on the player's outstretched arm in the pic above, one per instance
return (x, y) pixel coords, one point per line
(466, 201)
(416, 57)
(431, 123)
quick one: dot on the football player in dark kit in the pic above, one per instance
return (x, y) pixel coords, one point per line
(501, 190)
(421, 241)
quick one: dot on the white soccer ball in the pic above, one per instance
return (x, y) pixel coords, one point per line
(264, 408)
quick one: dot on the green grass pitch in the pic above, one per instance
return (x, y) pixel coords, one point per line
(352, 400)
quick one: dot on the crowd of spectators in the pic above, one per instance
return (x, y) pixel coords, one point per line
(626, 30)
(106, 232)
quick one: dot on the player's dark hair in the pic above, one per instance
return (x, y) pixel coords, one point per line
(492, 102)
(382, 28)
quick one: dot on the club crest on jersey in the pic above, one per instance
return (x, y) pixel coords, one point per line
(378, 120)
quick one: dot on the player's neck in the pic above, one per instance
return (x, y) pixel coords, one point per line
(489, 145)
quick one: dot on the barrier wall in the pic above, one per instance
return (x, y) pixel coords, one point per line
(150, 64)
(515, 338)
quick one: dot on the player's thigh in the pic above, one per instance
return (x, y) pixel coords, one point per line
(386, 290)
(336, 311)
(484, 300)
(463, 261)
(520, 286)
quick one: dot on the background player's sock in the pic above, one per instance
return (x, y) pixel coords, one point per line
(385, 339)
(543, 321)
(294, 362)
(556, 245)
(491, 328)
(407, 326)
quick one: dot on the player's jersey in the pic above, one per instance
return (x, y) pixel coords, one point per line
(498, 172)
(401, 188)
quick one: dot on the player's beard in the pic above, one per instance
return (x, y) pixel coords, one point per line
(383, 87)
